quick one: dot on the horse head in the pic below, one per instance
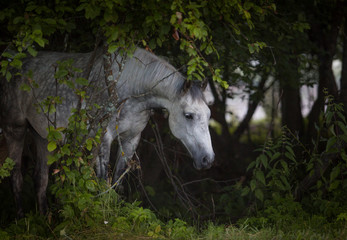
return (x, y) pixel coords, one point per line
(188, 120)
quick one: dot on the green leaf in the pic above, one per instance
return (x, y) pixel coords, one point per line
(290, 150)
(247, 14)
(89, 144)
(81, 183)
(279, 185)
(342, 118)
(51, 21)
(245, 191)
(310, 165)
(343, 156)
(251, 48)
(8, 76)
(17, 63)
(51, 159)
(65, 150)
(69, 161)
(32, 51)
(284, 166)
(259, 194)
(328, 117)
(159, 42)
(51, 146)
(344, 137)
(69, 174)
(152, 44)
(57, 135)
(81, 7)
(68, 213)
(40, 41)
(342, 126)
(275, 156)
(25, 87)
(6, 55)
(332, 129)
(259, 175)
(290, 156)
(334, 185)
(251, 165)
(112, 48)
(61, 73)
(335, 173)
(253, 185)
(330, 143)
(90, 185)
(20, 55)
(285, 182)
(264, 161)
(82, 81)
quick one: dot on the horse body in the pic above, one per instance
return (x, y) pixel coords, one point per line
(144, 82)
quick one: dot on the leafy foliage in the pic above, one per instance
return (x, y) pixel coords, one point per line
(280, 179)
(273, 169)
(6, 168)
(149, 23)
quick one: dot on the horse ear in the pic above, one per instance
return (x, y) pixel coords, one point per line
(187, 85)
(203, 84)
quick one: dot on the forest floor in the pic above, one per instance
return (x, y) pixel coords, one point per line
(212, 232)
(232, 233)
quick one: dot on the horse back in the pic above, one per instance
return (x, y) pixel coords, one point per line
(19, 107)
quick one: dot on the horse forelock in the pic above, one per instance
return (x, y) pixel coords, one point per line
(196, 93)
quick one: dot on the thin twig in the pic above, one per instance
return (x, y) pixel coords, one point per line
(116, 183)
(143, 188)
(210, 179)
(179, 189)
(213, 207)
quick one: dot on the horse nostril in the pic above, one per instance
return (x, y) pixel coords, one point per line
(206, 163)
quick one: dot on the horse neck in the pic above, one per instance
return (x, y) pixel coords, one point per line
(150, 95)
(154, 102)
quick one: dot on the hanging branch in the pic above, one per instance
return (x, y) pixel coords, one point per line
(184, 197)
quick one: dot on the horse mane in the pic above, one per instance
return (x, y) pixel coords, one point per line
(158, 76)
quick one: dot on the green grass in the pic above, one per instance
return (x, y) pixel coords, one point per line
(154, 229)
(116, 219)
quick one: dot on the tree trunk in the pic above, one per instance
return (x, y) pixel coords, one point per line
(324, 36)
(291, 100)
(252, 106)
(218, 110)
(291, 109)
(227, 150)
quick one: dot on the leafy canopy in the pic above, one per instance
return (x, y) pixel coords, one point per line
(28, 26)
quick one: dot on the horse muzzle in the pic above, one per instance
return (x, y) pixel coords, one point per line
(204, 162)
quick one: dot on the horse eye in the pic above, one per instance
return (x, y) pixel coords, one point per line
(189, 116)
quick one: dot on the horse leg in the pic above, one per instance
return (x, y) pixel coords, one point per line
(102, 162)
(41, 172)
(14, 136)
(103, 157)
(126, 151)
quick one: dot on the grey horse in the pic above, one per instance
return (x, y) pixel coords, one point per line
(145, 82)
